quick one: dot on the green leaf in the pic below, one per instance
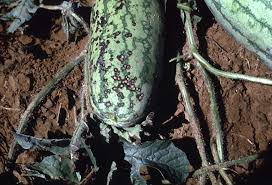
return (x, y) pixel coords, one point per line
(57, 168)
(161, 155)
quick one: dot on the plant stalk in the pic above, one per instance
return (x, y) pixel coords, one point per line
(185, 15)
(193, 120)
(226, 164)
(41, 95)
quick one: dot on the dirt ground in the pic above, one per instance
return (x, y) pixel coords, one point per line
(28, 60)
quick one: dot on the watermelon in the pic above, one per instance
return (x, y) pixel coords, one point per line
(125, 54)
(249, 22)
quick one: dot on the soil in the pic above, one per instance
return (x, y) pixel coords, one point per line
(30, 58)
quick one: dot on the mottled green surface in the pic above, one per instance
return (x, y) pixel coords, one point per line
(249, 21)
(124, 54)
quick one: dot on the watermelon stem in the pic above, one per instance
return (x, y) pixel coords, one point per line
(230, 75)
(41, 95)
(194, 121)
(226, 164)
(216, 143)
(216, 130)
(208, 66)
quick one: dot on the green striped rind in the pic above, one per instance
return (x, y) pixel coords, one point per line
(124, 56)
(249, 21)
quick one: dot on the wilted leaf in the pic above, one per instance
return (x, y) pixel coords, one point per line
(57, 168)
(161, 155)
(56, 146)
(71, 22)
(26, 8)
(22, 13)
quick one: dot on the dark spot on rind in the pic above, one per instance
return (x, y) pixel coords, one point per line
(127, 35)
(120, 86)
(132, 87)
(120, 5)
(96, 29)
(108, 104)
(121, 104)
(133, 80)
(103, 21)
(115, 34)
(131, 105)
(140, 96)
(121, 58)
(121, 95)
(126, 66)
(107, 91)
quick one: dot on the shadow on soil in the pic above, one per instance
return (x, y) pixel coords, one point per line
(262, 173)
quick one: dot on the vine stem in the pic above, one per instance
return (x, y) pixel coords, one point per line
(230, 75)
(66, 8)
(217, 160)
(41, 95)
(216, 131)
(216, 143)
(226, 164)
(193, 120)
(206, 64)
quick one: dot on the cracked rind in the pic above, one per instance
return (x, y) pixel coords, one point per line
(125, 54)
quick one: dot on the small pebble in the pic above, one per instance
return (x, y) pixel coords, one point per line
(2, 79)
(39, 121)
(50, 115)
(43, 109)
(8, 63)
(48, 104)
(12, 83)
(24, 82)
(25, 40)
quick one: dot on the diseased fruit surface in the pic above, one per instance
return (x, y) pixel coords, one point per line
(124, 56)
(249, 21)
(248, 116)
